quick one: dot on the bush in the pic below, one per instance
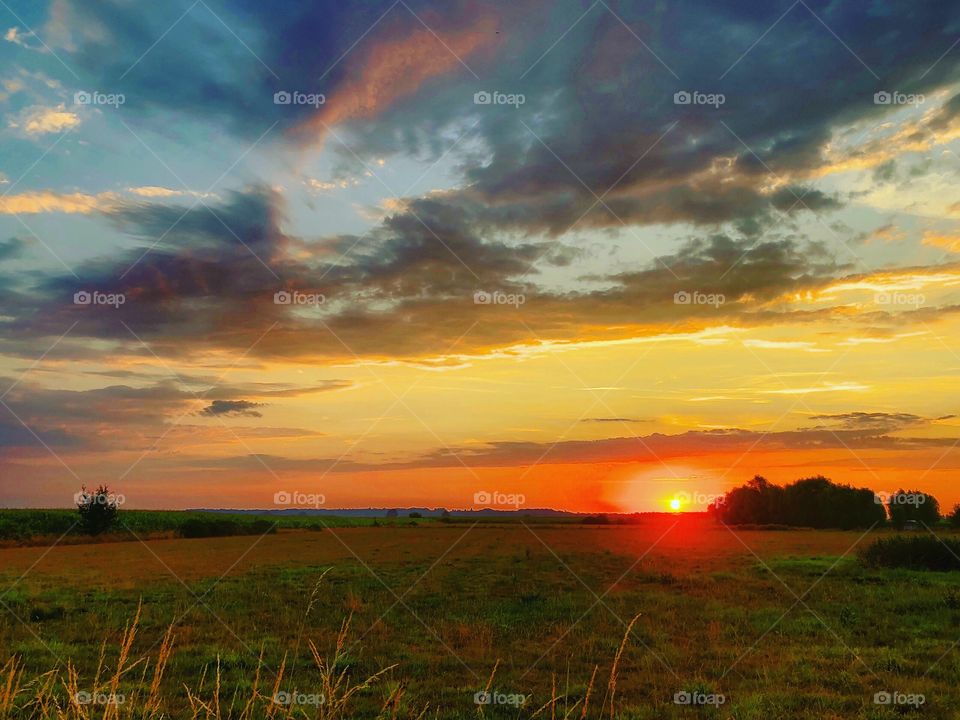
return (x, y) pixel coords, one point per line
(97, 508)
(917, 553)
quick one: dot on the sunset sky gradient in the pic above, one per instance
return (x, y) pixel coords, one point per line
(768, 285)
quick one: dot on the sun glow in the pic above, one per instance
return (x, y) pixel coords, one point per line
(675, 504)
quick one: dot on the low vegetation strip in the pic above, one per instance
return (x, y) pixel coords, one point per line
(38, 526)
(925, 552)
(204, 527)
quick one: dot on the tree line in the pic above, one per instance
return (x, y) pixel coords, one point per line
(818, 502)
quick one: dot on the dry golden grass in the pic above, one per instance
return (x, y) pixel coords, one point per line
(132, 689)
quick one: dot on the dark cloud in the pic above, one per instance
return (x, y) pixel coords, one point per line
(879, 422)
(11, 248)
(598, 144)
(16, 434)
(646, 448)
(232, 408)
(212, 283)
(658, 446)
(616, 420)
(90, 419)
(598, 104)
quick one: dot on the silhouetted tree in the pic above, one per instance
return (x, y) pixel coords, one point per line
(954, 517)
(756, 502)
(817, 502)
(907, 505)
(97, 508)
(810, 502)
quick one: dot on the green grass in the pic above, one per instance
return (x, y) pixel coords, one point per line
(730, 626)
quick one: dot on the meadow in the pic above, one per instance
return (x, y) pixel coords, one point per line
(673, 617)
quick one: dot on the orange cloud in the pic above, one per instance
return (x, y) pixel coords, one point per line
(395, 69)
(31, 203)
(942, 240)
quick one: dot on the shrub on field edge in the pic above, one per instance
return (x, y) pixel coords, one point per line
(916, 553)
(97, 509)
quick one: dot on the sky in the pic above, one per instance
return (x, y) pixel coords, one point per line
(589, 256)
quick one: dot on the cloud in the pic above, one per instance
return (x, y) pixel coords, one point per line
(879, 422)
(599, 148)
(615, 420)
(43, 201)
(154, 191)
(654, 447)
(396, 68)
(22, 38)
(11, 248)
(232, 408)
(946, 241)
(34, 121)
(134, 415)
(861, 435)
(205, 279)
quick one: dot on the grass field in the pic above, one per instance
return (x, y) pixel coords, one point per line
(781, 624)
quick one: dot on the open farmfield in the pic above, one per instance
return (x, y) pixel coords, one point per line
(779, 623)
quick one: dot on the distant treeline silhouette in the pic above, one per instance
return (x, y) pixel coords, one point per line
(818, 502)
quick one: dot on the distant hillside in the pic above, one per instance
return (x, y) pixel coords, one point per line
(435, 513)
(382, 512)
